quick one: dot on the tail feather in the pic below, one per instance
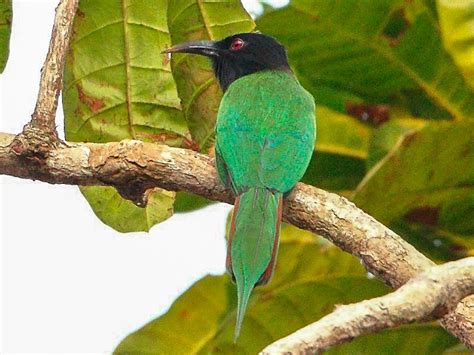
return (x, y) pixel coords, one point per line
(243, 296)
(253, 243)
(267, 275)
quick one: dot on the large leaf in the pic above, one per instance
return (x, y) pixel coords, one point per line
(5, 28)
(111, 208)
(118, 86)
(198, 89)
(427, 179)
(419, 228)
(457, 22)
(310, 278)
(364, 51)
(341, 134)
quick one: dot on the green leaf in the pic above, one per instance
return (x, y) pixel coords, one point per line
(436, 243)
(414, 339)
(200, 94)
(341, 134)
(426, 180)
(123, 215)
(459, 349)
(187, 202)
(334, 172)
(118, 86)
(356, 51)
(456, 19)
(425, 167)
(5, 29)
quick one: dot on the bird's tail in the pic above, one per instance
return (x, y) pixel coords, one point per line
(253, 243)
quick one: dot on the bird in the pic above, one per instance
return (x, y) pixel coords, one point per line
(265, 134)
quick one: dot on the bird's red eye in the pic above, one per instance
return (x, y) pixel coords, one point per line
(237, 44)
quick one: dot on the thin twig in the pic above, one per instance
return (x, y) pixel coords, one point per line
(52, 72)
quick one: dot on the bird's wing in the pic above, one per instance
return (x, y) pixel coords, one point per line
(266, 132)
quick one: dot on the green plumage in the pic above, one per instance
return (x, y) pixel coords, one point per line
(265, 136)
(255, 226)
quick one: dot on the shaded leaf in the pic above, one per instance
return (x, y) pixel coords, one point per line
(349, 52)
(334, 172)
(200, 95)
(426, 179)
(414, 174)
(5, 29)
(456, 19)
(434, 242)
(459, 349)
(187, 202)
(414, 339)
(451, 215)
(118, 86)
(341, 147)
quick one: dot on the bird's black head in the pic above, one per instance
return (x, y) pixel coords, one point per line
(238, 55)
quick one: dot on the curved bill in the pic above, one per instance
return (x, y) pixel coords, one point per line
(207, 48)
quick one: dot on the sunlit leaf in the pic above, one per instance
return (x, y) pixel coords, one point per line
(415, 175)
(457, 22)
(341, 134)
(200, 94)
(123, 215)
(5, 28)
(117, 86)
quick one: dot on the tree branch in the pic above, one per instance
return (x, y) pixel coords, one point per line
(38, 154)
(382, 251)
(427, 296)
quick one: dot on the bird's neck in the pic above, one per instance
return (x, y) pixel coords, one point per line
(227, 72)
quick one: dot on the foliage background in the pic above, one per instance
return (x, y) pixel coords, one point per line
(393, 83)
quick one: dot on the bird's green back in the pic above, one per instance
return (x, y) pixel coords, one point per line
(265, 131)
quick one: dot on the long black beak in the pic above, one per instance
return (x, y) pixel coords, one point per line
(207, 48)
